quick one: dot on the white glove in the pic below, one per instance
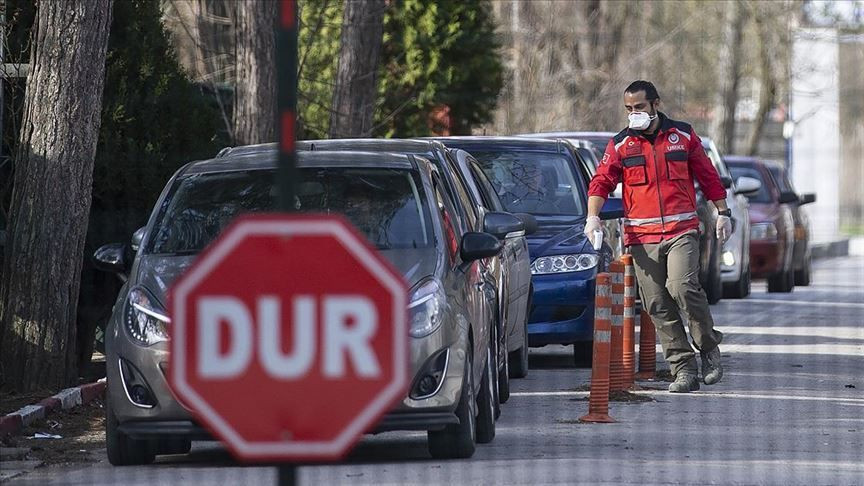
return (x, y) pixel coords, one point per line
(724, 228)
(592, 224)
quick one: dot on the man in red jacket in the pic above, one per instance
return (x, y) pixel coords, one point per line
(657, 158)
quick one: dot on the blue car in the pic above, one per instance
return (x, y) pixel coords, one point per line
(548, 179)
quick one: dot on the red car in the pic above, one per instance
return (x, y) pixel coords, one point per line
(779, 231)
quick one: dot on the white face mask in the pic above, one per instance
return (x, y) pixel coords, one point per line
(640, 120)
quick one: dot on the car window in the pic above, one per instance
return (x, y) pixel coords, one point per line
(487, 191)
(716, 160)
(534, 182)
(761, 196)
(781, 179)
(445, 209)
(588, 156)
(386, 205)
(462, 196)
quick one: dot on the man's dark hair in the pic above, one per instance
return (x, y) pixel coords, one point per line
(646, 86)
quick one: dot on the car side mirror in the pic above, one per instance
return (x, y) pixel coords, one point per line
(503, 225)
(529, 222)
(479, 245)
(747, 185)
(613, 208)
(807, 198)
(137, 238)
(726, 181)
(788, 197)
(111, 258)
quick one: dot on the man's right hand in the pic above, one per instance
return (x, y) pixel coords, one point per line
(592, 224)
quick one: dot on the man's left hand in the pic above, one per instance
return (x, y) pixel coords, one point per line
(724, 228)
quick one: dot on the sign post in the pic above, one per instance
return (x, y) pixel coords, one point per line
(286, 82)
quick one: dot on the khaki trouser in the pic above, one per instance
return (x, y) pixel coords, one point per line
(668, 276)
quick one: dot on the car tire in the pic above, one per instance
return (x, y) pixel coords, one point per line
(519, 359)
(782, 282)
(458, 441)
(802, 277)
(583, 353)
(714, 289)
(486, 400)
(739, 289)
(122, 449)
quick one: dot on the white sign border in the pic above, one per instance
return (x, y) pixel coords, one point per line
(290, 448)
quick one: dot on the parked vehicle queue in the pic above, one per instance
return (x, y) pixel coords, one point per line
(487, 232)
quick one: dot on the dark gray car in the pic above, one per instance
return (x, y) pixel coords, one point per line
(397, 202)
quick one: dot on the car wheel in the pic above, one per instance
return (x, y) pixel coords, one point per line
(519, 358)
(802, 277)
(458, 441)
(583, 353)
(486, 399)
(739, 289)
(782, 282)
(122, 449)
(503, 372)
(714, 289)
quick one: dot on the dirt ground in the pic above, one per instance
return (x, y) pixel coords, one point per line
(82, 431)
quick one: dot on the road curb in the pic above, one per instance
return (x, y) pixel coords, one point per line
(12, 423)
(830, 249)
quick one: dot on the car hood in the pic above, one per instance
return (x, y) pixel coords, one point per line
(558, 238)
(413, 264)
(763, 212)
(157, 272)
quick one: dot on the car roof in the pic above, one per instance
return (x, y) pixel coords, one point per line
(750, 159)
(513, 142)
(400, 145)
(269, 160)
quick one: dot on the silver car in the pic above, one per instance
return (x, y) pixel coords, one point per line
(735, 256)
(399, 203)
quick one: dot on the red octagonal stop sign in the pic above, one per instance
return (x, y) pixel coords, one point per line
(288, 337)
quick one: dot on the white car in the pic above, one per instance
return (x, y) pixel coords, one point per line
(735, 258)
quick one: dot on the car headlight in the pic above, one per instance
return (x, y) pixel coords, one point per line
(425, 308)
(728, 258)
(564, 263)
(763, 231)
(145, 318)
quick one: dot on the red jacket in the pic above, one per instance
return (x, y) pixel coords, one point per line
(659, 195)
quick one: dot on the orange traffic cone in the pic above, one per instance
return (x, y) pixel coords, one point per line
(598, 401)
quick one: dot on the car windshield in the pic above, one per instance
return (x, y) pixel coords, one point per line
(781, 179)
(534, 182)
(388, 206)
(760, 196)
(716, 160)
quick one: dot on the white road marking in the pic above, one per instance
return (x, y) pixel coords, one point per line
(797, 302)
(794, 302)
(856, 401)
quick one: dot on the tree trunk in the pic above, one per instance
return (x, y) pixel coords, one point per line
(356, 78)
(731, 72)
(52, 194)
(255, 85)
(767, 83)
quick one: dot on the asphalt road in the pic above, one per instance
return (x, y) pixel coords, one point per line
(790, 410)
